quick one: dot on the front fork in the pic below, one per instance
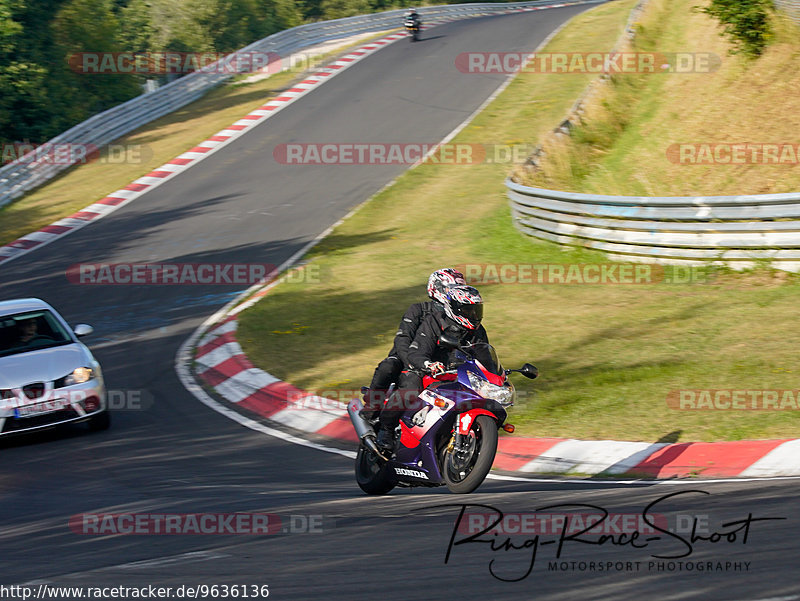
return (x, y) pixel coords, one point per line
(462, 428)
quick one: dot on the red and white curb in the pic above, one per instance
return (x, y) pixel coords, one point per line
(120, 198)
(221, 364)
(188, 159)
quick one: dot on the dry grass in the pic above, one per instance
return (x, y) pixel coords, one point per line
(754, 101)
(609, 354)
(155, 144)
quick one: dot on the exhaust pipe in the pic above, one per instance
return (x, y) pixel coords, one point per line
(363, 430)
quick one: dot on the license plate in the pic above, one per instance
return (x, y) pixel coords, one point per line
(40, 408)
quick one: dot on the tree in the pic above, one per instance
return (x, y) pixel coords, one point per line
(745, 22)
(88, 26)
(24, 102)
(336, 9)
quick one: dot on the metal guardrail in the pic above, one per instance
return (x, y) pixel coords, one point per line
(790, 7)
(27, 173)
(736, 230)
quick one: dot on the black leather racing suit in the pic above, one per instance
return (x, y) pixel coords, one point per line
(425, 347)
(388, 370)
(417, 21)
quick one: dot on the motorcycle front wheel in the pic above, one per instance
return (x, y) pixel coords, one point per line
(372, 475)
(465, 470)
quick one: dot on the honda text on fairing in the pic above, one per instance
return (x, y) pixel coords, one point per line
(448, 435)
(47, 376)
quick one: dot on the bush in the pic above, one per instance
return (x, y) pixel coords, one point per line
(746, 23)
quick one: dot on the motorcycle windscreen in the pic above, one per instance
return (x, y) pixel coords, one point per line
(486, 355)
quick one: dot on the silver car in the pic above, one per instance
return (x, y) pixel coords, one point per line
(47, 377)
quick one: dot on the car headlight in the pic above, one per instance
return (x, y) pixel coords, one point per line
(502, 394)
(78, 376)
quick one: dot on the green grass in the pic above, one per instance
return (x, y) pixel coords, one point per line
(155, 144)
(622, 147)
(609, 355)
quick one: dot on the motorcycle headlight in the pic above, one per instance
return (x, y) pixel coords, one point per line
(78, 376)
(502, 394)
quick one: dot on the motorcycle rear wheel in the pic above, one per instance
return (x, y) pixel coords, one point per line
(463, 477)
(372, 475)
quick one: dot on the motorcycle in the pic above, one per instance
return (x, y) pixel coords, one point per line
(412, 28)
(449, 434)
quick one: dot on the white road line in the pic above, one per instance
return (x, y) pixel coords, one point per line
(12, 253)
(792, 598)
(183, 358)
(674, 482)
(191, 557)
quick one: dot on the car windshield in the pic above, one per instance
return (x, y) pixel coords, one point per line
(30, 331)
(484, 353)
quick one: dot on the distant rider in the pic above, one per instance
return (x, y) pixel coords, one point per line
(413, 19)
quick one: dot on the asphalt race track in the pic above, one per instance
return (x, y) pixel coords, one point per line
(177, 456)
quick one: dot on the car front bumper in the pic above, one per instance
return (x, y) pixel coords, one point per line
(54, 407)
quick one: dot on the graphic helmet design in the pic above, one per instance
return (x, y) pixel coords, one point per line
(465, 306)
(441, 280)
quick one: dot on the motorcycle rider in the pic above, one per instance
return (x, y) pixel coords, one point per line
(388, 370)
(463, 312)
(413, 19)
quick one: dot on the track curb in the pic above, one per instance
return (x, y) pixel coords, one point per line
(221, 364)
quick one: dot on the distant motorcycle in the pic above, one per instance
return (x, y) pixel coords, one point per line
(450, 436)
(412, 28)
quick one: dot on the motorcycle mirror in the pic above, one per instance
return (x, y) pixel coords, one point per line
(449, 339)
(529, 371)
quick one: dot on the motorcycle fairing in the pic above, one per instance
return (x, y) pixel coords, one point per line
(421, 430)
(419, 433)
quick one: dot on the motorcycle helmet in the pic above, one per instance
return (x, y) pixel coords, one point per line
(464, 305)
(441, 280)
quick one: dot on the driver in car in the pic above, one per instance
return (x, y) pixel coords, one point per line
(28, 330)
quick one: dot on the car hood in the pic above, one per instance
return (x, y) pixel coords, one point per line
(42, 365)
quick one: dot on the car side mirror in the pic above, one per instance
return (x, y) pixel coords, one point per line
(83, 329)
